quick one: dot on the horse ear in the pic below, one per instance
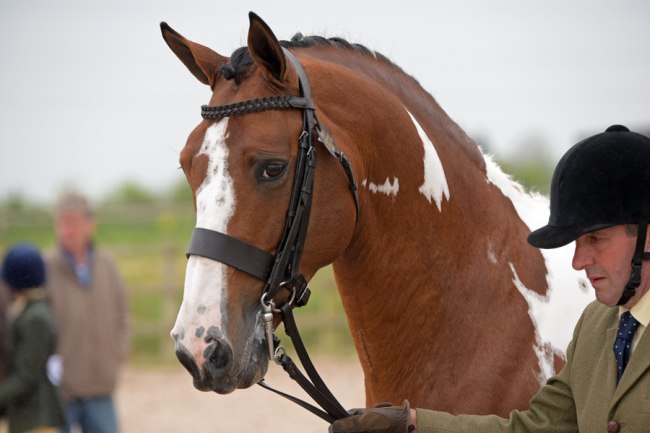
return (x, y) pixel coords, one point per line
(202, 62)
(265, 48)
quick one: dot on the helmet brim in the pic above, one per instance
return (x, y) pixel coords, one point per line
(553, 237)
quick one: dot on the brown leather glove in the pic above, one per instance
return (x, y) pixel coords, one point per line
(383, 418)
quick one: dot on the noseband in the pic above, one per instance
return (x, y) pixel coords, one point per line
(283, 268)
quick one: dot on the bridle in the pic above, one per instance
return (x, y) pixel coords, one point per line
(283, 268)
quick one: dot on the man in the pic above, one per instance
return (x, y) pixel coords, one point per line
(32, 401)
(600, 198)
(88, 300)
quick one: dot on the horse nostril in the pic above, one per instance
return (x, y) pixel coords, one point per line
(186, 359)
(218, 355)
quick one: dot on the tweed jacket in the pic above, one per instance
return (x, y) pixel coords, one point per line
(583, 397)
(30, 398)
(92, 325)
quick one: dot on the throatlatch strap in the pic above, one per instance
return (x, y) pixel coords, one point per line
(233, 252)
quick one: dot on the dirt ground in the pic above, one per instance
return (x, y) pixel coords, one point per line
(164, 401)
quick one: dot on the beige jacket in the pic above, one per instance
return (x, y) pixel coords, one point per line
(583, 397)
(92, 324)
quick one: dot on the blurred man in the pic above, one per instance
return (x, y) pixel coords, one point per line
(88, 299)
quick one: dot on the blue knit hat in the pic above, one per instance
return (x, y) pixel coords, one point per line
(23, 267)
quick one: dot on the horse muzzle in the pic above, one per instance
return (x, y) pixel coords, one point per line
(214, 373)
(215, 365)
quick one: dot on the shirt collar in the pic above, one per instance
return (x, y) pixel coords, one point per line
(640, 310)
(83, 272)
(70, 259)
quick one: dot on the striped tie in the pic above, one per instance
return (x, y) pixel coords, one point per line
(623, 344)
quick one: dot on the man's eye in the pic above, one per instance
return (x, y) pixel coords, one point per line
(273, 170)
(594, 238)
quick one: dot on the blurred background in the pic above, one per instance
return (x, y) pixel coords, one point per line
(92, 99)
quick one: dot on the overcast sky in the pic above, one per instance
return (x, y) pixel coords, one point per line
(91, 96)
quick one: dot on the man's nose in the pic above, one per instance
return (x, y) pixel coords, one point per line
(581, 257)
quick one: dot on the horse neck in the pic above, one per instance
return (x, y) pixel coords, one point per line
(415, 259)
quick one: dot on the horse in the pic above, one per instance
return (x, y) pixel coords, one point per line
(447, 304)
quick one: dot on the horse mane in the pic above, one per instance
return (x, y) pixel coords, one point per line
(240, 62)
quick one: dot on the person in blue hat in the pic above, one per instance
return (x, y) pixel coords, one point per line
(27, 393)
(600, 199)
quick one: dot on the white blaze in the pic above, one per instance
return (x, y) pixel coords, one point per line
(205, 284)
(435, 183)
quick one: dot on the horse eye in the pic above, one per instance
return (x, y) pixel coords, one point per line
(273, 170)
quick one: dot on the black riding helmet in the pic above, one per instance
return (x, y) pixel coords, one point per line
(601, 182)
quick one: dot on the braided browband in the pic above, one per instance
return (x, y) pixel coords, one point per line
(254, 106)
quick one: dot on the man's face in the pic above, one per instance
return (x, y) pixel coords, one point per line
(605, 255)
(74, 230)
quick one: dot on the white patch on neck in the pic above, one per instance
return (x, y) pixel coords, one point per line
(387, 188)
(543, 348)
(555, 315)
(435, 183)
(205, 279)
(492, 257)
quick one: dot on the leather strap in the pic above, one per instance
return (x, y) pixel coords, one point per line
(311, 408)
(326, 399)
(233, 252)
(315, 388)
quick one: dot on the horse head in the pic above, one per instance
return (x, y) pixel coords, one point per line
(240, 166)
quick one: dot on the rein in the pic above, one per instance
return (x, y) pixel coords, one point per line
(283, 268)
